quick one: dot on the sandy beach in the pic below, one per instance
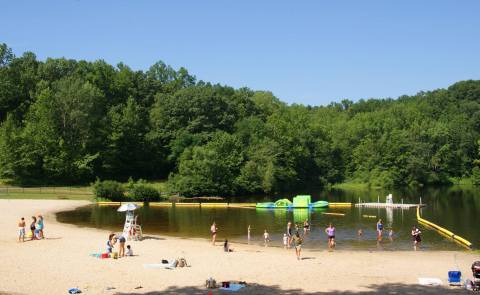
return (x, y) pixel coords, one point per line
(62, 261)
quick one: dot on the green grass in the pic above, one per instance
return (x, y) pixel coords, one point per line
(48, 193)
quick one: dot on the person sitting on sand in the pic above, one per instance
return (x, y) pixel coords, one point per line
(121, 245)
(213, 230)
(266, 238)
(21, 230)
(129, 251)
(110, 243)
(40, 226)
(32, 227)
(297, 242)
(226, 246)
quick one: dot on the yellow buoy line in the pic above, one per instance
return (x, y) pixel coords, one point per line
(333, 214)
(443, 231)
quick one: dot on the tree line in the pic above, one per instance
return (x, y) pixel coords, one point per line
(69, 121)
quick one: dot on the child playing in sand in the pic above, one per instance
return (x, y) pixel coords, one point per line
(285, 241)
(129, 251)
(21, 230)
(266, 238)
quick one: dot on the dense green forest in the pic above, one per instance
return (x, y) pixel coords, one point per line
(69, 121)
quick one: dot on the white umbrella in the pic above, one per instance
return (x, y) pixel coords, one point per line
(127, 207)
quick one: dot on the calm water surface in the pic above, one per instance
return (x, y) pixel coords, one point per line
(457, 209)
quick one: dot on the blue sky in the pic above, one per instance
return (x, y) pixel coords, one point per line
(310, 52)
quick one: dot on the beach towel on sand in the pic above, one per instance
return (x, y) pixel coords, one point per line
(233, 287)
(170, 265)
(430, 281)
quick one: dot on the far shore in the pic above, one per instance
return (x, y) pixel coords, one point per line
(63, 261)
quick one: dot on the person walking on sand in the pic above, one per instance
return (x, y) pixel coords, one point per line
(213, 230)
(379, 229)
(416, 237)
(21, 230)
(306, 226)
(248, 233)
(32, 227)
(285, 241)
(266, 238)
(297, 241)
(289, 234)
(330, 231)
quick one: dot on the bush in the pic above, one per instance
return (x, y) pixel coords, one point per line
(109, 189)
(143, 192)
(476, 176)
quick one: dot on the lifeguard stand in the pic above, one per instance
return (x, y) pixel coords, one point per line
(130, 229)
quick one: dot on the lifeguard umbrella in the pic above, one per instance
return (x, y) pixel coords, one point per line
(127, 207)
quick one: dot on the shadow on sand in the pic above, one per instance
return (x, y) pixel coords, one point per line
(263, 289)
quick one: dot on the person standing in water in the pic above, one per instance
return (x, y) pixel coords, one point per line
(297, 242)
(330, 231)
(306, 226)
(379, 229)
(416, 237)
(266, 238)
(213, 230)
(289, 234)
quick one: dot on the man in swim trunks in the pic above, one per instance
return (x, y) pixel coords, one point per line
(21, 230)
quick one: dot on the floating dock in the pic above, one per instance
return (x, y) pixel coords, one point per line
(388, 205)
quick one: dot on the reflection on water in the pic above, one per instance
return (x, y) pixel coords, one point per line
(454, 208)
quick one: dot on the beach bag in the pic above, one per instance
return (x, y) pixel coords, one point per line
(104, 255)
(211, 283)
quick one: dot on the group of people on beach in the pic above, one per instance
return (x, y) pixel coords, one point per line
(36, 229)
(292, 236)
(114, 239)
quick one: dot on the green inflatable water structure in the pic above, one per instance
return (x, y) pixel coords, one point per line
(300, 201)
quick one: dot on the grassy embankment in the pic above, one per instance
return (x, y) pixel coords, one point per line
(8, 191)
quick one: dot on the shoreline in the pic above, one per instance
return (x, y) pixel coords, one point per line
(63, 258)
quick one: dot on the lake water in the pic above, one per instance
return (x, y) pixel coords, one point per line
(455, 208)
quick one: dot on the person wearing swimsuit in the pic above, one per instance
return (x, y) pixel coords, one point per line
(416, 237)
(379, 229)
(306, 226)
(32, 227)
(213, 230)
(289, 234)
(330, 231)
